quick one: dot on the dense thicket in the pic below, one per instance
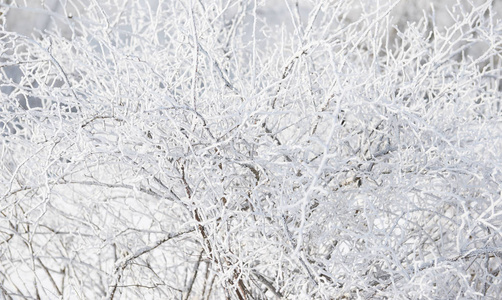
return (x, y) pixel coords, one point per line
(250, 150)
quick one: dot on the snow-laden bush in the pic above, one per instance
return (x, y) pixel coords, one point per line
(250, 150)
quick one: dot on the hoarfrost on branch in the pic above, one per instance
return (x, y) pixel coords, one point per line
(250, 149)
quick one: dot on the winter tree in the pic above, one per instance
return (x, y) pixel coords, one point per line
(250, 149)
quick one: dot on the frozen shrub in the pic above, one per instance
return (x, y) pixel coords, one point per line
(250, 150)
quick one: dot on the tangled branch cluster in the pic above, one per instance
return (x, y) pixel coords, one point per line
(198, 150)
